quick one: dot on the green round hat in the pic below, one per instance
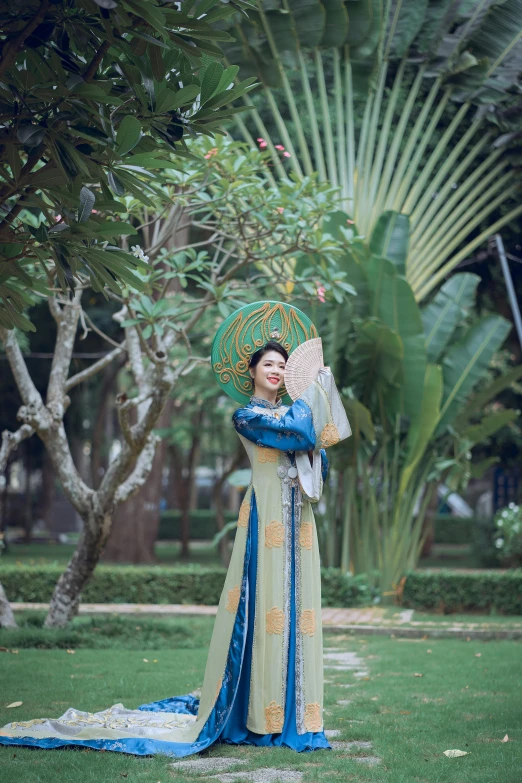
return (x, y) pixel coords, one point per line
(247, 329)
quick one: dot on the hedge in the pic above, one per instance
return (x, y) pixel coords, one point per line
(448, 529)
(454, 591)
(443, 591)
(203, 524)
(159, 585)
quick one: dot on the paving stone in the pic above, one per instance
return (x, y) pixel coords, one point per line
(204, 765)
(370, 760)
(263, 775)
(351, 745)
(342, 660)
(331, 733)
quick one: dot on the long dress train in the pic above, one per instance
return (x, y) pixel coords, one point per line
(263, 680)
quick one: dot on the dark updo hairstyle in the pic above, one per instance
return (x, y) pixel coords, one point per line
(271, 345)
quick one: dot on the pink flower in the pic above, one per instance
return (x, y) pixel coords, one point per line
(350, 222)
(280, 210)
(263, 145)
(279, 147)
(211, 153)
(321, 290)
(260, 139)
(286, 155)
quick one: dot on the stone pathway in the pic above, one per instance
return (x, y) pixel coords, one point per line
(368, 620)
(221, 768)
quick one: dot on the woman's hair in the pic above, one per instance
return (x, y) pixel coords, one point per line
(271, 345)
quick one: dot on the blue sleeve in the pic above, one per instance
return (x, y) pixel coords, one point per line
(324, 464)
(294, 431)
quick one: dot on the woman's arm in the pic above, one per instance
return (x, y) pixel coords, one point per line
(294, 431)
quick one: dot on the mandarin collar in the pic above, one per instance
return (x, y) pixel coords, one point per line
(265, 403)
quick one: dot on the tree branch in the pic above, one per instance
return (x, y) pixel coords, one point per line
(67, 322)
(95, 368)
(11, 440)
(28, 391)
(14, 47)
(140, 474)
(96, 60)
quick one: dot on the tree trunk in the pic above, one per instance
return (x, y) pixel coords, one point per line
(48, 494)
(4, 503)
(28, 501)
(187, 483)
(6, 613)
(136, 523)
(67, 592)
(102, 430)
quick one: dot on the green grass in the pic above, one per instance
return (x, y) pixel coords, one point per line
(102, 632)
(461, 701)
(167, 553)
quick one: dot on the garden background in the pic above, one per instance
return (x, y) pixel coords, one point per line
(160, 166)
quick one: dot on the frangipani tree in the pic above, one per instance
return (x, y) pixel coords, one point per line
(247, 231)
(457, 63)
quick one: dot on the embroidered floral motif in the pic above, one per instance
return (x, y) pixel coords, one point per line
(275, 620)
(274, 534)
(244, 514)
(274, 718)
(308, 622)
(233, 599)
(329, 436)
(313, 720)
(266, 454)
(305, 535)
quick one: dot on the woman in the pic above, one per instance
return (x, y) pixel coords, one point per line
(263, 681)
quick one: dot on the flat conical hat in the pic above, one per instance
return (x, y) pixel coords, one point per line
(247, 329)
(303, 366)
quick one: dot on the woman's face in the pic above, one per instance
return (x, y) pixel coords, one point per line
(268, 374)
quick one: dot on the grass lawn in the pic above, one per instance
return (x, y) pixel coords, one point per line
(467, 698)
(168, 553)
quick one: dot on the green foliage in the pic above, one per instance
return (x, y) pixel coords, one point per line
(441, 590)
(202, 524)
(508, 534)
(453, 530)
(476, 591)
(408, 378)
(384, 111)
(106, 632)
(95, 96)
(156, 585)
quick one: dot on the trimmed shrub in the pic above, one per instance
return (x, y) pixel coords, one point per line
(203, 525)
(453, 530)
(442, 591)
(191, 584)
(473, 591)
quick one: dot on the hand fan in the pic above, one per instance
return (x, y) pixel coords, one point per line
(303, 365)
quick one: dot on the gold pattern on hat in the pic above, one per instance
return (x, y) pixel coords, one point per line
(237, 341)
